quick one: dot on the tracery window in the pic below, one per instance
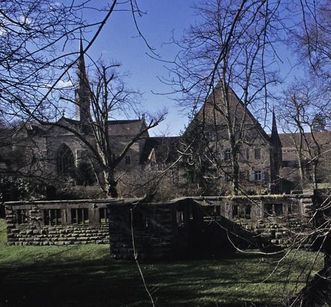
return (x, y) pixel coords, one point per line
(65, 163)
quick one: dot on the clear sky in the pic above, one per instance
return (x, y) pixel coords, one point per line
(119, 42)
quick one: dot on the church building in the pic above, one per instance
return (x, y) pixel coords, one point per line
(224, 148)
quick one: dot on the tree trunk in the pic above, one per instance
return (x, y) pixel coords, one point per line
(108, 184)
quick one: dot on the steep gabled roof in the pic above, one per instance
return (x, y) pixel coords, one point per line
(237, 107)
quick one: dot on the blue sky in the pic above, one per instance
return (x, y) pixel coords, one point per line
(119, 42)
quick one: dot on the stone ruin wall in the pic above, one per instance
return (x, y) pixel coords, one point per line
(276, 217)
(279, 218)
(56, 223)
(156, 229)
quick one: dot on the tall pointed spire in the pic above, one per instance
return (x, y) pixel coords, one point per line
(275, 139)
(83, 90)
(275, 157)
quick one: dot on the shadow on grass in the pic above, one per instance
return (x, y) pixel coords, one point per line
(104, 282)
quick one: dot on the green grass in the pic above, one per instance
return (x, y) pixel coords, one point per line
(85, 275)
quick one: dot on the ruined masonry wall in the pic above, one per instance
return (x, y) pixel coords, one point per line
(34, 231)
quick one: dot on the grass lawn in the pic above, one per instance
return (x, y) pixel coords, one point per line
(86, 276)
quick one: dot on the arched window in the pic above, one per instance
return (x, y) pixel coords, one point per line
(65, 164)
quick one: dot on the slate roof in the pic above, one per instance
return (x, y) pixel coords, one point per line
(117, 127)
(125, 127)
(237, 107)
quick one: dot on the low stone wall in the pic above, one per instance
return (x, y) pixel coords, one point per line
(159, 228)
(61, 235)
(57, 222)
(279, 218)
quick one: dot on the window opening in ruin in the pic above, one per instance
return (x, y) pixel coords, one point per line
(268, 210)
(273, 210)
(21, 216)
(191, 216)
(234, 211)
(278, 209)
(103, 218)
(248, 211)
(217, 210)
(242, 211)
(293, 209)
(180, 218)
(257, 153)
(79, 216)
(52, 217)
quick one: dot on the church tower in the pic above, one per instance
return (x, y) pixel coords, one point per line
(83, 90)
(275, 156)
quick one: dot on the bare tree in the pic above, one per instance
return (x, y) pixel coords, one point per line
(312, 36)
(110, 97)
(230, 50)
(98, 103)
(37, 36)
(37, 49)
(303, 105)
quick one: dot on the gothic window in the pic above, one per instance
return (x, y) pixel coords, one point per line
(65, 161)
